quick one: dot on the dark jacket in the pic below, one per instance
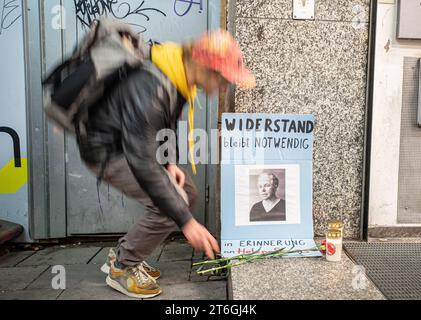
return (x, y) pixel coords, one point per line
(126, 122)
(277, 213)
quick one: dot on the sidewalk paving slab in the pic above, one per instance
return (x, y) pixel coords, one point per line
(14, 258)
(77, 276)
(29, 275)
(61, 256)
(18, 278)
(173, 272)
(155, 255)
(176, 251)
(100, 257)
(194, 277)
(300, 279)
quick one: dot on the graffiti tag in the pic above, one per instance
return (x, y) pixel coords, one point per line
(183, 7)
(87, 11)
(10, 13)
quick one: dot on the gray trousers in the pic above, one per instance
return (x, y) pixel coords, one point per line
(154, 226)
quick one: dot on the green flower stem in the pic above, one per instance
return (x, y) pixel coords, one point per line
(247, 258)
(211, 261)
(239, 257)
(228, 266)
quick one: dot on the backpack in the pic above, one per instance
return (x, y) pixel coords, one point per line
(99, 62)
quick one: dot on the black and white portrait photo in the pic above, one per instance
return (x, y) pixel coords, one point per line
(271, 192)
(267, 194)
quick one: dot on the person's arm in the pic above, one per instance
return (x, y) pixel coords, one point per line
(142, 117)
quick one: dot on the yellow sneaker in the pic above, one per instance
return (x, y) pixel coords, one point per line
(153, 272)
(133, 282)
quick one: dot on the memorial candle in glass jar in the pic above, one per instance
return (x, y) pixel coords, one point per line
(333, 245)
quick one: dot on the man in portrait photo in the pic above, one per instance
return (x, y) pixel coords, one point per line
(270, 208)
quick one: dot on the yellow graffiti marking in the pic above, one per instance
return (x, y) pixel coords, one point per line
(12, 179)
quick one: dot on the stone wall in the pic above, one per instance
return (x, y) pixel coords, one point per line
(313, 67)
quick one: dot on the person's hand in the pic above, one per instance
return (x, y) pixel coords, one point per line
(200, 238)
(177, 173)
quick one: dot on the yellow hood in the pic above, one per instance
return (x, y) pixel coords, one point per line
(168, 57)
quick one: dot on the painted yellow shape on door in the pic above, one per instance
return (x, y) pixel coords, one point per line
(12, 179)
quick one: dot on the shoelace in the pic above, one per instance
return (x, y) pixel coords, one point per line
(142, 266)
(141, 275)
